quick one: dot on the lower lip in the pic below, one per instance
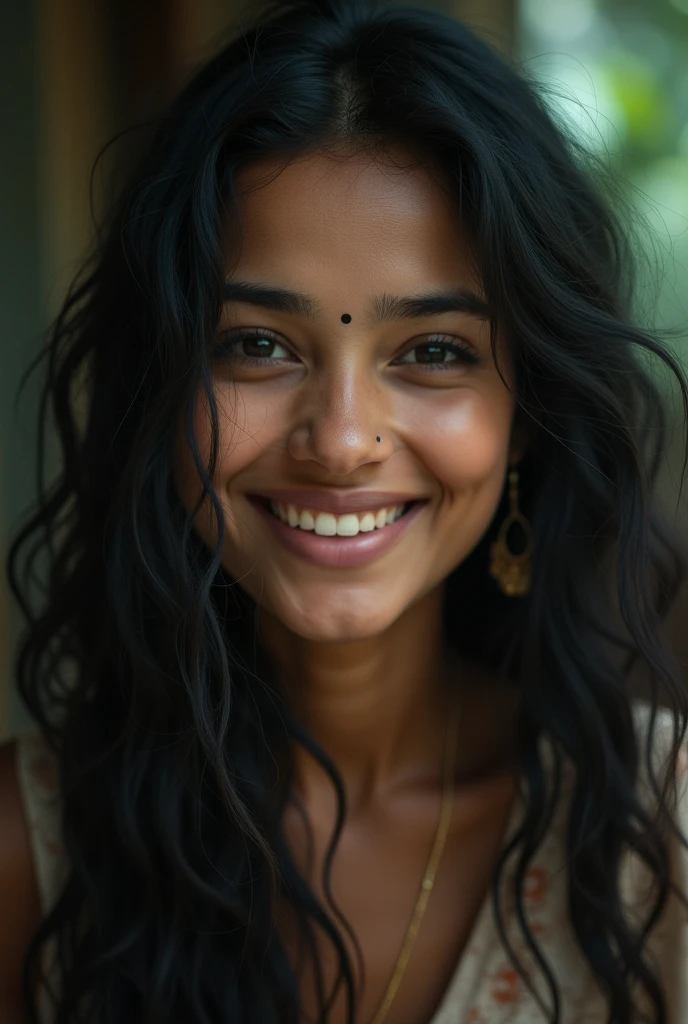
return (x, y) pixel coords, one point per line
(339, 552)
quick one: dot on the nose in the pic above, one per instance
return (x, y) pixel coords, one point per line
(338, 425)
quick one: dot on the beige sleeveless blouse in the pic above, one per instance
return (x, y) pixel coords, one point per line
(485, 987)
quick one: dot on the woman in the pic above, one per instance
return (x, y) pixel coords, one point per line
(319, 736)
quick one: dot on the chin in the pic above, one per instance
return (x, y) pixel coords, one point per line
(333, 627)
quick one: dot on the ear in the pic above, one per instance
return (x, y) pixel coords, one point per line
(519, 440)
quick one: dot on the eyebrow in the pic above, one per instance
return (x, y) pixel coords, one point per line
(384, 308)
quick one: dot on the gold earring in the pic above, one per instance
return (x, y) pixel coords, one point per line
(512, 572)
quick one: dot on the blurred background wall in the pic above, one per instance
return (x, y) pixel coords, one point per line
(73, 73)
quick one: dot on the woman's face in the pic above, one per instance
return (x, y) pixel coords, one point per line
(351, 235)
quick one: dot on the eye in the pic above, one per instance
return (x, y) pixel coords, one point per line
(433, 354)
(250, 348)
(256, 347)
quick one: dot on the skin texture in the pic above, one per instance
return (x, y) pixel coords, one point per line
(360, 651)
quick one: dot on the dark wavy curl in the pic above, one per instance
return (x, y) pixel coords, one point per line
(139, 660)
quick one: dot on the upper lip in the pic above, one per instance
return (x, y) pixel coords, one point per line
(337, 502)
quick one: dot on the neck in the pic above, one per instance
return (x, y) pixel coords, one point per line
(379, 707)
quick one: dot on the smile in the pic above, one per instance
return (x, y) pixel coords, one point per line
(323, 544)
(326, 524)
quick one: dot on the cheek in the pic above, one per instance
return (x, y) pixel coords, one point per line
(251, 421)
(246, 425)
(186, 478)
(464, 444)
(466, 449)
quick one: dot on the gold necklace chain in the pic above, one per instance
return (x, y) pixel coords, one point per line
(430, 870)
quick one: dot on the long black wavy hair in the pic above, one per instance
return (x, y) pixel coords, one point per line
(140, 661)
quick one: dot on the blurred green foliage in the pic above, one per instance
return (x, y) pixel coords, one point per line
(616, 73)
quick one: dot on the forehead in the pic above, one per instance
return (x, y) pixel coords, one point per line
(362, 215)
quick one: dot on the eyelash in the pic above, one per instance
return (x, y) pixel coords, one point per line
(231, 340)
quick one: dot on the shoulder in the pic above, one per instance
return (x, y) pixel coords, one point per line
(668, 941)
(19, 892)
(670, 778)
(656, 734)
(662, 737)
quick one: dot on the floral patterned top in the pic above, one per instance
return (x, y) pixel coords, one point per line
(486, 988)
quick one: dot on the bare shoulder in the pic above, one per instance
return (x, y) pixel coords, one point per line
(19, 898)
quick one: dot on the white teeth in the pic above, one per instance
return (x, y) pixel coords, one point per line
(328, 525)
(307, 520)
